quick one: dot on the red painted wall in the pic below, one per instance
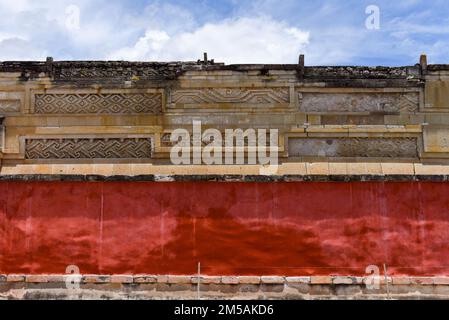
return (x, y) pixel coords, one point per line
(294, 228)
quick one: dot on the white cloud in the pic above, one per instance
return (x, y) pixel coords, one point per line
(242, 40)
(20, 49)
(260, 31)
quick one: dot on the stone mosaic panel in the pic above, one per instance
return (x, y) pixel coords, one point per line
(359, 102)
(353, 147)
(108, 148)
(123, 103)
(231, 95)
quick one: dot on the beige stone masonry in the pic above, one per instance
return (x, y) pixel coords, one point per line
(164, 172)
(396, 120)
(227, 280)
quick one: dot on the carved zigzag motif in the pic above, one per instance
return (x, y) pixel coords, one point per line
(231, 95)
(98, 103)
(111, 148)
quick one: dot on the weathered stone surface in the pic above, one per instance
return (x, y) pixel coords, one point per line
(37, 278)
(179, 279)
(115, 70)
(249, 280)
(110, 148)
(321, 280)
(122, 278)
(421, 280)
(272, 279)
(15, 278)
(320, 287)
(401, 281)
(9, 106)
(436, 139)
(145, 279)
(359, 102)
(354, 147)
(162, 279)
(78, 103)
(229, 280)
(231, 95)
(343, 280)
(94, 278)
(441, 280)
(437, 95)
(210, 280)
(10, 102)
(82, 99)
(297, 280)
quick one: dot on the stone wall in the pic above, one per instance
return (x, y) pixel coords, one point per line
(86, 180)
(145, 287)
(323, 114)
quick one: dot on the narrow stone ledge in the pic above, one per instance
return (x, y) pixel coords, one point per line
(207, 280)
(228, 178)
(358, 280)
(162, 279)
(302, 280)
(230, 280)
(321, 280)
(272, 280)
(421, 280)
(401, 280)
(58, 278)
(36, 278)
(249, 280)
(15, 278)
(441, 280)
(145, 279)
(122, 278)
(226, 280)
(343, 280)
(179, 279)
(94, 278)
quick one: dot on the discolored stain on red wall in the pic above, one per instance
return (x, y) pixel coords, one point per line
(285, 228)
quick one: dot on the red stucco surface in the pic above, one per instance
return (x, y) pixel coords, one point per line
(295, 228)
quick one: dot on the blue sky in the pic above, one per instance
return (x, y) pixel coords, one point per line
(328, 32)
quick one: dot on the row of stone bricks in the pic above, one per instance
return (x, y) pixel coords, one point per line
(227, 280)
(166, 173)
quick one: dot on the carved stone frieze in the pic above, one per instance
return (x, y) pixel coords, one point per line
(98, 148)
(353, 147)
(116, 103)
(231, 95)
(359, 102)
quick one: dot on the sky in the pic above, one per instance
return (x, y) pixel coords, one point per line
(328, 32)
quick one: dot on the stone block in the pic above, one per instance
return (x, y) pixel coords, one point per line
(342, 280)
(249, 280)
(145, 279)
(354, 147)
(272, 280)
(162, 279)
(179, 279)
(441, 280)
(37, 278)
(401, 280)
(95, 278)
(15, 278)
(122, 278)
(230, 280)
(304, 280)
(421, 280)
(210, 280)
(321, 280)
